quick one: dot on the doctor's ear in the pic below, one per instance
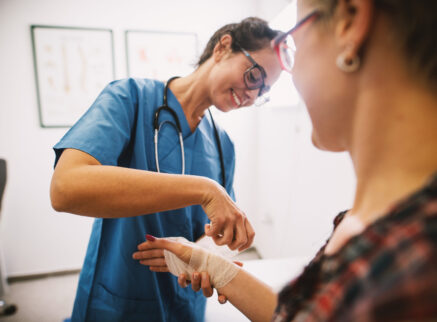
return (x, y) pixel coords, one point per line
(222, 48)
(353, 21)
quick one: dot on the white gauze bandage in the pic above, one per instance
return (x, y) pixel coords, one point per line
(220, 269)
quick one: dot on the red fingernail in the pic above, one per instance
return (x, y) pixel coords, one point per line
(150, 237)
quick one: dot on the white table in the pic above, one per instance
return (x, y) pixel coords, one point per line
(274, 272)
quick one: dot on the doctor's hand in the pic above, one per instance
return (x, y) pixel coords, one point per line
(229, 225)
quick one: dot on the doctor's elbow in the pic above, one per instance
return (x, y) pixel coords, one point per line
(59, 195)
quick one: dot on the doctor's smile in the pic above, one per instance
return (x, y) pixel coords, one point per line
(235, 98)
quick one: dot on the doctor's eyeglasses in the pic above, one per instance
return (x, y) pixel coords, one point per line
(284, 44)
(254, 78)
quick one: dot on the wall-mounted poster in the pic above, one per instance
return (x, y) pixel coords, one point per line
(72, 65)
(160, 55)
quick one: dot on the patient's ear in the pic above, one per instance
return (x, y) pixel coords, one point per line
(353, 23)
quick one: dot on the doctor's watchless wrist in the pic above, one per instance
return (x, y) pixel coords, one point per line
(209, 190)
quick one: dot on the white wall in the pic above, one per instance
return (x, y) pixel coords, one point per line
(300, 189)
(35, 238)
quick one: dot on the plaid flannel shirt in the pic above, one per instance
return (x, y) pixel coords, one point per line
(386, 273)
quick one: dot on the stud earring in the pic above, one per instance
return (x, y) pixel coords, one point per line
(348, 64)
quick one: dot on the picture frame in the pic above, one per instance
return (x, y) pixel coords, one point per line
(72, 66)
(160, 54)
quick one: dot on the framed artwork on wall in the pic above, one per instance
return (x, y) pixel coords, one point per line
(160, 55)
(72, 66)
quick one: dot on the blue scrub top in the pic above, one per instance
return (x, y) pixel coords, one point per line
(118, 130)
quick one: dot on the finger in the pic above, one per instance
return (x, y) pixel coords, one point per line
(153, 262)
(214, 227)
(240, 238)
(148, 254)
(182, 280)
(238, 263)
(207, 229)
(144, 246)
(206, 285)
(159, 269)
(250, 235)
(222, 299)
(180, 250)
(226, 237)
(195, 281)
(217, 239)
(147, 245)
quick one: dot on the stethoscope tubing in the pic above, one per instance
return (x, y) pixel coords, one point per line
(157, 127)
(181, 142)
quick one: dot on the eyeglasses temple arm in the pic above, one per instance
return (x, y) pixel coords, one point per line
(278, 39)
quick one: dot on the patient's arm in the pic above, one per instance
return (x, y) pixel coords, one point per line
(251, 296)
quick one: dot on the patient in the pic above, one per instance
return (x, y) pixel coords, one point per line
(367, 71)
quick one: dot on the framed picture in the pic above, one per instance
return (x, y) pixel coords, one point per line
(160, 55)
(72, 66)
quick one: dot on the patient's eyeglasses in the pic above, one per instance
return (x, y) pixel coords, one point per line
(284, 44)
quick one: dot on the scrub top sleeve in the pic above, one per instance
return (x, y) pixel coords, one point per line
(104, 131)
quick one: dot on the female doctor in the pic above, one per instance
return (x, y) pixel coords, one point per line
(122, 163)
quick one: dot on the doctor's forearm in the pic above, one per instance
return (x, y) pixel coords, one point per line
(112, 192)
(251, 296)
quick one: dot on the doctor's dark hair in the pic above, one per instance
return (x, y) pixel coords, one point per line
(414, 26)
(252, 34)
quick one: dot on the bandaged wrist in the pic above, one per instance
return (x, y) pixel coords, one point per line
(221, 270)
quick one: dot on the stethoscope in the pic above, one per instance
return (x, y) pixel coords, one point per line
(177, 125)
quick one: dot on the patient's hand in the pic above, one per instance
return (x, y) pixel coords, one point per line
(154, 248)
(201, 280)
(198, 280)
(151, 253)
(154, 258)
